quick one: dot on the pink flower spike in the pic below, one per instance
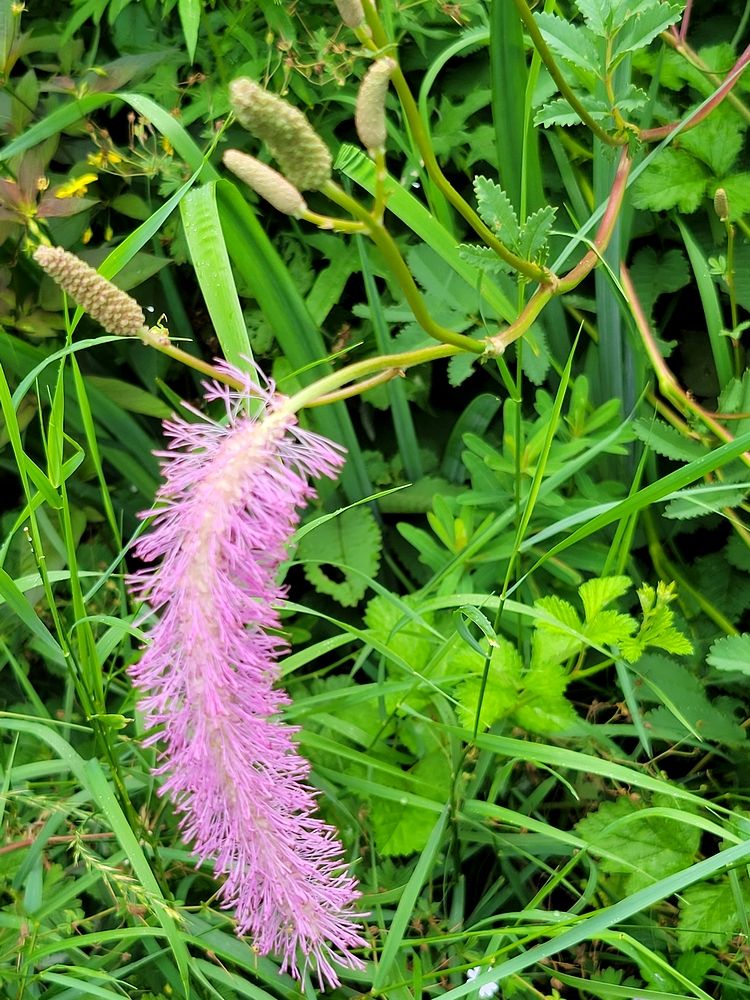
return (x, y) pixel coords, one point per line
(224, 515)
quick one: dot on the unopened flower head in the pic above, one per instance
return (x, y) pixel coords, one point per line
(304, 158)
(351, 13)
(224, 516)
(721, 204)
(103, 301)
(370, 112)
(266, 181)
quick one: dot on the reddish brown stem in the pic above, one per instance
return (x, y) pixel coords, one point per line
(685, 23)
(669, 387)
(496, 345)
(662, 131)
(19, 845)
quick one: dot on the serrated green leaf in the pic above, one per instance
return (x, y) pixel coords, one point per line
(597, 15)
(483, 258)
(535, 232)
(598, 593)
(501, 691)
(574, 43)
(553, 643)
(630, 99)
(662, 679)
(536, 358)
(641, 30)
(559, 112)
(701, 500)
(645, 849)
(542, 707)
(409, 639)
(496, 210)
(657, 628)
(675, 180)
(731, 652)
(460, 367)
(610, 628)
(709, 914)
(348, 545)
(667, 441)
(716, 141)
(400, 831)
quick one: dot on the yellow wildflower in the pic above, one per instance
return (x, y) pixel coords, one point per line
(167, 146)
(104, 158)
(87, 234)
(75, 187)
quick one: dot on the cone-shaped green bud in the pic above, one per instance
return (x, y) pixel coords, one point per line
(721, 204)
(351, 12)
(266, 181)
(370, 113)
(103, 301)
(304, 158)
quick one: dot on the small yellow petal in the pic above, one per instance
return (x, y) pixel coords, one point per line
(76, 186)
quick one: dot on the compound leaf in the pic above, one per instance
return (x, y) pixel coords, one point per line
(341, 553)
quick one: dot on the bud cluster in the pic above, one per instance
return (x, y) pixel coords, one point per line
(370, 112)
(304, 158)
(266, 181)
(106, 303)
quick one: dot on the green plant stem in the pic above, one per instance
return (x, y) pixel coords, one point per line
(554, 71)
(358, 388)
(387, 246)
(378, 41)
(499, 343)
(731, 288)
(691, 56)
(730, 276)
(361, 369)
(159, 339)
(331, 224)
(669, 387)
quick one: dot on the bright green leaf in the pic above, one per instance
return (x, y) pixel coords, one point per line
(674, 180)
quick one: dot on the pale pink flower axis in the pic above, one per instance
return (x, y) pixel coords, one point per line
(225, 513)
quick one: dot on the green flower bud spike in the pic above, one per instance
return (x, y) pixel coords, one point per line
(351, 13)
(266, 182)
(369, 116)
(721, 204)
(304, 158)
(103, 301)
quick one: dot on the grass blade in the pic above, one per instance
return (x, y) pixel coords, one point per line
(405, 908)
(260, 265)
(208, 252)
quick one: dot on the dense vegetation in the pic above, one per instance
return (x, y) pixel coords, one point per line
(517, 622)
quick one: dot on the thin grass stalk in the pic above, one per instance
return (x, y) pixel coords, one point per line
(403, 425)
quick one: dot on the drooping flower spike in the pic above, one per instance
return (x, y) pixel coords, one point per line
(225, 512)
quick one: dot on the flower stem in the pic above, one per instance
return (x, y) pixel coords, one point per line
(393, 364)
(378, 41)
(387, 246)
(669, 387)
(497, 345)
